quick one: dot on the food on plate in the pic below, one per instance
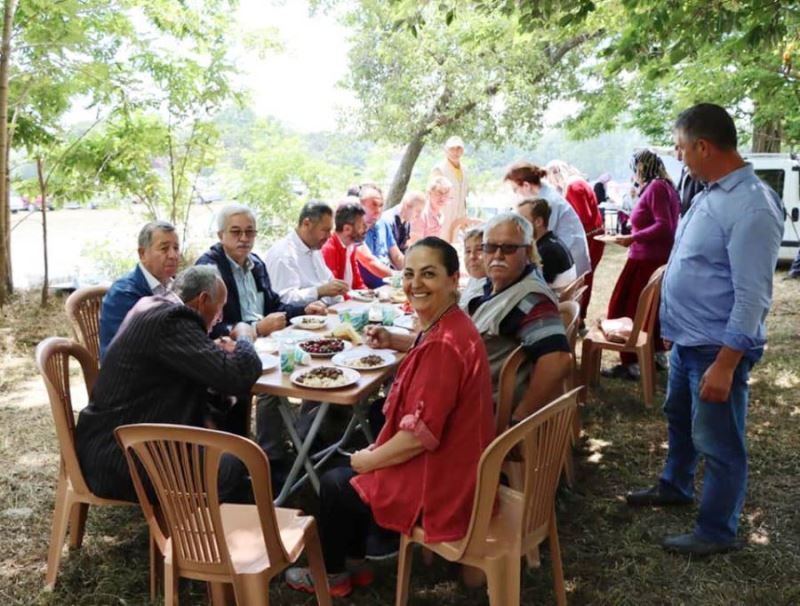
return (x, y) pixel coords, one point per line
(322, 346)
(370, 361)
(323, 376)
(367, 294)
(398, 296)
(310, 321)
(345, 331)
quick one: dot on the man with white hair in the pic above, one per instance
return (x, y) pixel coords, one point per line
(517, 308)
(159, 253)
(161, 368)
(451, 168)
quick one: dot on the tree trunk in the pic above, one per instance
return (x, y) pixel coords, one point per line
(6, 281)
(403, 174)
(43, 191)
(767, 137)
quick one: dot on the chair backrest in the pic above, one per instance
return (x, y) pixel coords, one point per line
(570, 315)
(568, 292)
(83, 310)
(182, 464)
(543, 438)
(507, 387)
(52, 360)
(647, 307)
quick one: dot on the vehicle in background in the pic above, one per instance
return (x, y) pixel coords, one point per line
(17, 203)
(37, 204)
(782, 173)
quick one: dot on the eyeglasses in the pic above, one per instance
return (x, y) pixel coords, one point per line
(247, 233)
(507, 249)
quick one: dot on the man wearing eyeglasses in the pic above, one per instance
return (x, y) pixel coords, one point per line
(518, 308)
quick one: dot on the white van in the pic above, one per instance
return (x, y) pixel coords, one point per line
(782, 173)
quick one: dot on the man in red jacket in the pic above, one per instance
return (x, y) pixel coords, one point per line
(339, 250)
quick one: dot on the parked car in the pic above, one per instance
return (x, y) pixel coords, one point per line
(17, 203)
(37, 204)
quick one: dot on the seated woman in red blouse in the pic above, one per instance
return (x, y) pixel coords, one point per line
(439, 419)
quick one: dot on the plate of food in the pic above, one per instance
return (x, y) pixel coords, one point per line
(309, 322)
(364, 360)
(268, 362)
(325, 377)
(364, 295)
(397, 296)
(605, 238)
(324, 348)
(265, 345)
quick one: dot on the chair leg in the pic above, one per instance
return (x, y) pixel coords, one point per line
(647, 371)
(156, 567)
(317, 565)
(59, 530)
(586, 367)
(503, 578)
(555, 556)
(532, 558)
(404, 561)
(223, 594)
(170, 584)
(77, 524)
(569, 466)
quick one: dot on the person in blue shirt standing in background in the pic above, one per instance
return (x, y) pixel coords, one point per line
(715, 297)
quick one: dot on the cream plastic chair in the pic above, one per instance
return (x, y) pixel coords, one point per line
(639, 342)
(73, 496)
(243, 546)
(506, 523)
(572, 291)
(83, 310)
(570, 316)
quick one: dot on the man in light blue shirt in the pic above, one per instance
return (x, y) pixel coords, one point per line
(715, 297)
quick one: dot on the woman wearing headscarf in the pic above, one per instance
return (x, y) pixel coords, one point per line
(653, 222)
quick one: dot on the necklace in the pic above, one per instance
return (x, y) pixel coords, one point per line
(436, 320)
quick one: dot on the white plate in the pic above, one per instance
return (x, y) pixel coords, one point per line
(343, 357)
(265, 345)
(406, 322)
(347, 345)
(293, 334)
(268, 362)
(358, 295)
(351, 376)
(319, 322)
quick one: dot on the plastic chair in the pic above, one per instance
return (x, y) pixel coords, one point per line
(73, 496)
(568, 293)
(640, 341)
(83, 310)
(506, 523)
(240, 545)
(570, 315)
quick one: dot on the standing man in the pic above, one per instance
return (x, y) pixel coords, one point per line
(452, 169)
(295, 263)
(715, 296)
(158, 261)
(339, 250)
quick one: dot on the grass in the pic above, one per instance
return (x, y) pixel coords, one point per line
(611, 553)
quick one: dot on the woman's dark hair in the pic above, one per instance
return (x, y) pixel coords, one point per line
(447, 254)
(525, 172)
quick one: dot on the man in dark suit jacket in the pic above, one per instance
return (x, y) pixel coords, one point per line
(160, 369)
(158, 261)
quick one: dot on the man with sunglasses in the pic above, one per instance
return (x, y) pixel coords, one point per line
(518, 308)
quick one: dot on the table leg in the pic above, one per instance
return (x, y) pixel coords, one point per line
(302, 447)
(358, 413)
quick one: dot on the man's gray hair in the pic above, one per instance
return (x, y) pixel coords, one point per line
(146, 235)
(474, 232)
(511, 217)
(226, 212)
(314, 210)
(195, 280)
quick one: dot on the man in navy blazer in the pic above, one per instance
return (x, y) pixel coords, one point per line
(158, 262)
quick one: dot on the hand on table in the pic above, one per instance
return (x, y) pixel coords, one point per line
(715, 386)
(333, 288)
(317, 308)
(271, 322)
(378, 337)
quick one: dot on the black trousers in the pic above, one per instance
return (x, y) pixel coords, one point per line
(344, 519)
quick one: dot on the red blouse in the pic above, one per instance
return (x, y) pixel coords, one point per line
(442, 394)
(580, 196)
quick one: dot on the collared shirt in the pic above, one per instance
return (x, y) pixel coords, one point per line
(718, 285)
(429, 224)
(380, 240)
(157, 287)
(565, 223)
(296, 271)
(251, 301)
(401, 230)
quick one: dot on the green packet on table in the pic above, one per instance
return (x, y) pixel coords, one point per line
(358, 319)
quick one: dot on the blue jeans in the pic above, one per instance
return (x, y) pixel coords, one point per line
(714, 430)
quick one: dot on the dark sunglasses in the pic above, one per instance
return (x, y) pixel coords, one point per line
(507, 249)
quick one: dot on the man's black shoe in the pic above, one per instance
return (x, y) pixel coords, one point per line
(657, 495)
(620, 371)
(691, 544)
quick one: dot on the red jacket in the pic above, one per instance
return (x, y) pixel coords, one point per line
(580, 196)
(335, 255)
(443, 395)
